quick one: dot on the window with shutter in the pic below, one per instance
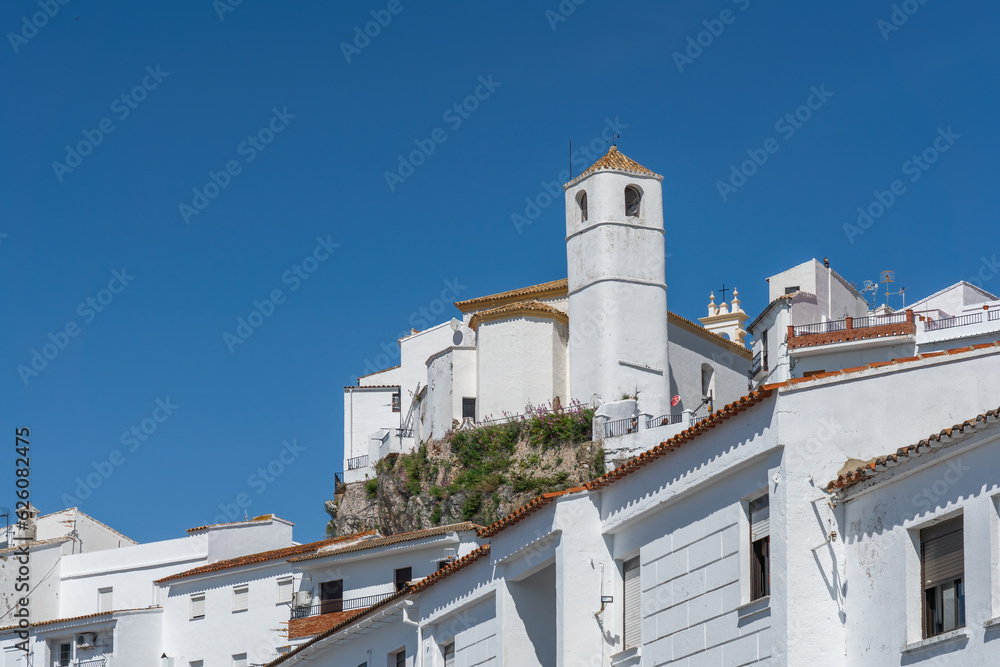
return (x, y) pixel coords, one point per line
(632, 606)
(241, 598)
(198, 606)
(942, 556)
(401, 658)
(448, 652)
(240, 660)
(285, 590)
(760, 548)
(104, 599)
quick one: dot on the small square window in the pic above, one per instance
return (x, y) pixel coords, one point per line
(448, 653)
(469, 408)
(760, 548)
(285, 590)
(240, 660)
(402, 576)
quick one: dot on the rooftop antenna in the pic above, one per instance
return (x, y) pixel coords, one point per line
(870, 287)
(571, 159)
(887, 277)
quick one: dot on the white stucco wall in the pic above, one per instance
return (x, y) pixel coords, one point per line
(365, 411)
(688, 351)
(451, 376)
(516, 362)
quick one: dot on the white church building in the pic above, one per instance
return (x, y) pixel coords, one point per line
(601, 337)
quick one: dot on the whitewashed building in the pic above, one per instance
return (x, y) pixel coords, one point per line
(602, 337)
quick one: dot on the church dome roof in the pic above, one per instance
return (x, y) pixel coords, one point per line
(614, 160)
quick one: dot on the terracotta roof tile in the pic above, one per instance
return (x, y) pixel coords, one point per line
(554, 288)
(264, 517)
(880, 463)
(84, 617)
(524, 308)
(264, 556)
(392, 539)
(614, 160)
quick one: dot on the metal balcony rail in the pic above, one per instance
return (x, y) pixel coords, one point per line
(994, 315)
(91, 662)
(698, 420)
(820, 327)
(404, 432)
(879, 320)
(618, 427)
(333, 606)
(949, 322)
(357, 462)
(758, 364)
(664, 420)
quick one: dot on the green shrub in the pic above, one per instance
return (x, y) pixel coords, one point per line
(471, 506)
(599, 462)
(371, 487)
(436, 515)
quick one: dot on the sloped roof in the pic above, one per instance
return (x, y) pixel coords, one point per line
(523, 309)
(933, 441)
(392, 539)
(256, 519)
(264, 556)
(553, 288)
(614, 160)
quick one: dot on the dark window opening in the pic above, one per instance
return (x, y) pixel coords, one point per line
(632, 199)
(64, 654)
(403, 575)
(581, 199)
(763, 347)
(331, 596)
(469, 408)
(396, 405)
(942, 556)
(791, 290)
(401, 658)
(760, 548)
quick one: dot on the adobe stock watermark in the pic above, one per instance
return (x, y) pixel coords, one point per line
(88, 309)
(122, 106)
(454, 116)
(38, 20)
(899, 17)
(786, 126)
(294, 277)
(420, 319)
(223, 7)
(988, 270)
(714, 28)
(552, 191)
(133, 439)
(381, 18)
(249, 148)
(915, 167)
(929, 496)
(259, 480)
(562, 13)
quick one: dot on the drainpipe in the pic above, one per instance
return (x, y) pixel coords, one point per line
(420, 640)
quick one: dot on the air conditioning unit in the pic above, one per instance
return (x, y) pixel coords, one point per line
(86, 640)
(302, 599)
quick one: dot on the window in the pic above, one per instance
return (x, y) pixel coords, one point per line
(396, 403)
(791, 290)
(581, 200)
(64, 655)
(402, 575)
(632, 595)
(469, 408)
(196, 663)
(632, 199)
(285, 590)
(197, 606)
(240, 660)
(241, 598)
(942, 556)
(763, 347)
(401, 658)
(760, 548)
(104, 599)
(448, 653)
(331, 596)
(443, 563)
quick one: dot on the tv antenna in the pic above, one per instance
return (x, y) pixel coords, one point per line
(870, 287)
(889, 277)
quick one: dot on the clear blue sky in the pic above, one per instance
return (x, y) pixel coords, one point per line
(214, 83)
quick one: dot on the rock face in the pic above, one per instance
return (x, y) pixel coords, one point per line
(435, 485)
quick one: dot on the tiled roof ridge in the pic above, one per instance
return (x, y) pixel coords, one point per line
(557, 286)
(80, 618)
(614, 160)
(99, 523)
(371, 386)
(264, 556)
(387, 540)
(257, 519)
(421, 585)
(635, 463)
(38, 543)
(518, 308)
(881, 463)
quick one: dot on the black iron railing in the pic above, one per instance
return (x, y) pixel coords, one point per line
(879, 320)
(820, 327)
(618, 427)
(698, 420)
(357, 462)
(664, 420)
(949, 322)
(338, 604)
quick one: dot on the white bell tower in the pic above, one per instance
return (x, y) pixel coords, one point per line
(617, 288)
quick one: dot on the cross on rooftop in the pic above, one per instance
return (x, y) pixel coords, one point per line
(723, 292)
(614, 139)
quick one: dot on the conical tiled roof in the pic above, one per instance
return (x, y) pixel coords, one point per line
(615, 161)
